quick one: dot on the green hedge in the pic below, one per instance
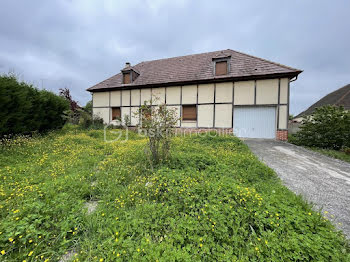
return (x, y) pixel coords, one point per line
(25, 109)
(328, 127)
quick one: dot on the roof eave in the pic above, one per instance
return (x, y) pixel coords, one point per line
(199, 81)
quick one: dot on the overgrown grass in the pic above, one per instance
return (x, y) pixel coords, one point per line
(212, 201)
(328, 152)
(333, 153)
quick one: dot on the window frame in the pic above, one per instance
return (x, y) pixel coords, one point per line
(190, 119)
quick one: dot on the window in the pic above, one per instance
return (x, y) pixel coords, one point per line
(116, 113)
(126, 78)
(147, 113)
(221, 68)
(189, 112)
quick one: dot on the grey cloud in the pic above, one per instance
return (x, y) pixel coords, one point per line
(79, 43)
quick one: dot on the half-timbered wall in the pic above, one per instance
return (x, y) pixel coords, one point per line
(215, 102)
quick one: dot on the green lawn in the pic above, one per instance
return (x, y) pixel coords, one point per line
(213, 201)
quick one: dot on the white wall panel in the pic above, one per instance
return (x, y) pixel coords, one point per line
(115, 98)
(145, 95)
(125, 111)
(101, 113)
(135, 97)
(205, 115)
(100, 98)
(283, 117)
(158, 96)
(134, 116)
(244, 93)
(284, 91)
(189, 94)
(223, 115)
(267, 91)
(173, 95)
(223, 92)
(206, 93)
(188, 124)
(126, 98)
(177, 112)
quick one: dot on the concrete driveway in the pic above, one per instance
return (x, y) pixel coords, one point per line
(322, 180)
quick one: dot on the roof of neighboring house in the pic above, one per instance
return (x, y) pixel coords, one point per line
(197, 68)
(340, 97)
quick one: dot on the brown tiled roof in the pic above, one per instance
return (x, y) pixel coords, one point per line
(197, 68)
(340, 97)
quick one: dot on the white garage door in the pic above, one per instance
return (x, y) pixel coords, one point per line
(255, 122)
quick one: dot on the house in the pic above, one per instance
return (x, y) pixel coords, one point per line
(222, 89)
(340, 97)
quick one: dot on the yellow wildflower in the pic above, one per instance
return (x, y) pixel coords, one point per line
(30, 253)
(3, 252)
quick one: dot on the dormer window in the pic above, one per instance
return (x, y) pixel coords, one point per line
(127, 78)
(221, 65)
(129, 74)
(221, 68)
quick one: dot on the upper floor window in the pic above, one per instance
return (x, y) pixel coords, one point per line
(221, 68)
(127, 78)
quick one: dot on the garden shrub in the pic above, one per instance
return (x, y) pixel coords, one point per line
(25, 109)
(328, 127)
(157, 124)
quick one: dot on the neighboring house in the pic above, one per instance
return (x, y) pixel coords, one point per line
(340, 97)
(222, 89)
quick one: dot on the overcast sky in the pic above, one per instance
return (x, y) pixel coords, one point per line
(78, 43)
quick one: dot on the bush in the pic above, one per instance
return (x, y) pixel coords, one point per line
(80, 116)
(327, 127)
(157, 123)
(25, 109)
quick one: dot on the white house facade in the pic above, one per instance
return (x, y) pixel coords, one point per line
(223, 89)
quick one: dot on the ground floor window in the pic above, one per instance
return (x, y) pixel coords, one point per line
(116, 113)
(189, 112)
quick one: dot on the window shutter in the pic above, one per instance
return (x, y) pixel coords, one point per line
(116, 113)
(221, 68)
(189, 112)
(126, 78)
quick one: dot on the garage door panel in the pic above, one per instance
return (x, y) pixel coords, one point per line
(255, 122)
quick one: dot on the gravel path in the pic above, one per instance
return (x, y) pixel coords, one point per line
(322, 180)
